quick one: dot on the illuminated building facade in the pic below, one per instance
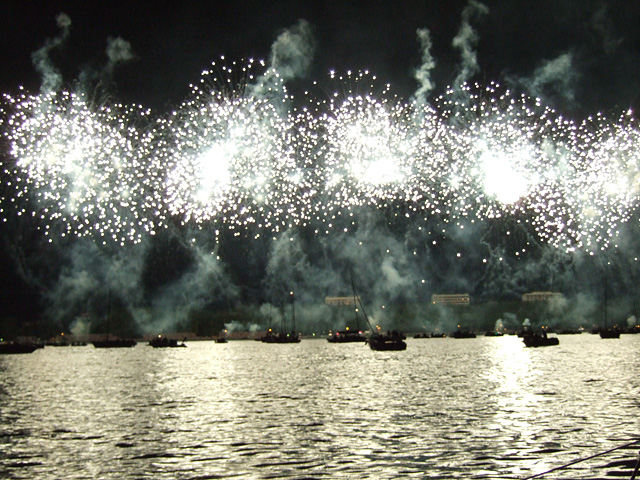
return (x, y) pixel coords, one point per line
(451, 299)
(540, 296)
(341, 300)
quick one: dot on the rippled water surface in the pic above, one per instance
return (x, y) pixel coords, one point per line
(444, 408)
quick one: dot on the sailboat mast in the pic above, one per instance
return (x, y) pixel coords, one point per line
(356, 302)
(606, 295)
(293, 313)
(108, 314)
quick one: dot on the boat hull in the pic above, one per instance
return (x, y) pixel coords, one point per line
(280, 338)
(386, 344)
(114, 343)
(538, 341)
(14, 348)
(346, 337)
(609, 333)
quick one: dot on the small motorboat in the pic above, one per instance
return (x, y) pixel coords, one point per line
(163, 342)
(537, 340)
(391, 341)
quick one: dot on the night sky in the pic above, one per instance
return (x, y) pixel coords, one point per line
(579, 57)
(173, 43)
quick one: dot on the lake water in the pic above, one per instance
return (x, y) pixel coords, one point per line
(444, 408)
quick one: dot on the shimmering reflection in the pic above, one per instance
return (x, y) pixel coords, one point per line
(444, 408)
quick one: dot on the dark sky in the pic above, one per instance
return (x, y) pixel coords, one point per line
(174, 41)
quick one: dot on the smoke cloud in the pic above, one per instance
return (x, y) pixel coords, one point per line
(423, 74)
(466, 40)
(118, 51)
(291, 56)
(553, 79)
(51, 76)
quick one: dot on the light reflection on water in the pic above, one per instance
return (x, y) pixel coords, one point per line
(444, 408)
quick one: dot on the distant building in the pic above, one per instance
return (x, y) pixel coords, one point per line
(341, 300)
(451, 299)
(540, 296)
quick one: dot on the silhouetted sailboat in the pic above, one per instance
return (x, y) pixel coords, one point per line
(113, 342)
(282, 336)
(607, 332)
(391, 341)
(347, 335)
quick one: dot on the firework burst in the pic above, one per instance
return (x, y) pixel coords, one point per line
(76, 167)
(228, 155)
(239, 154)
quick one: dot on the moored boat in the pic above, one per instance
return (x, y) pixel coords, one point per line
(493, 333)
(347, 336)
(608, 332)
(463, 334)
(391, 341)
(114, 343)
(283, 337)
(280, 337)
(18, 347)
(163, 342)
(539, 340)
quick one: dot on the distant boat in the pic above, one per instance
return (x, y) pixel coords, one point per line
(539, 340)
(463, 334)
(280, 337)
(607, 332)
(283, 337)
(222, 337)
(391, 341)
(17, 347)
(569, 331)
(113, 342)
(349, 336)
(493, 333)
(429, 335)
(163, 342)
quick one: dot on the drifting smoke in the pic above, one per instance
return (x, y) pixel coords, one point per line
(602, 25)
(88, 277)
(51, 76)
(466, 40)
(554, 78)
(291, 57)
(423, 74)
(292, 52)
(118, 51)
(204, 281)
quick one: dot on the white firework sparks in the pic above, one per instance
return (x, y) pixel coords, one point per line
(229, 159)
(238, 154)
(79, 167)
